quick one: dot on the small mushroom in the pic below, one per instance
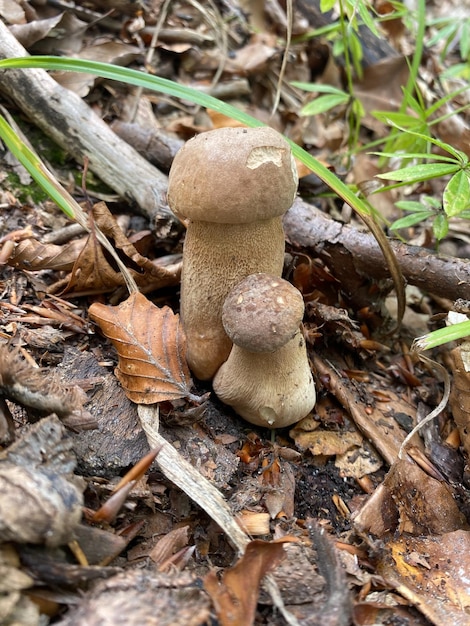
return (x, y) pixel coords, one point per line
(267, 377)
(232, 185)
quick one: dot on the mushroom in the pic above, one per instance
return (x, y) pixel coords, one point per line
(233, 185)
(267, 377)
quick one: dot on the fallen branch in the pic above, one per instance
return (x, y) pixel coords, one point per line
(71, 123)
(353, 256)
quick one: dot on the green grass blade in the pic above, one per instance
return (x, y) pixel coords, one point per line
(35, 167)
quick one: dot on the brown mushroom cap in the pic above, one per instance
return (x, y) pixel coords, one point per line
(262, 313)
(232, 176)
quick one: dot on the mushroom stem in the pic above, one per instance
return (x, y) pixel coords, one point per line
(230, 251)
(273, 389)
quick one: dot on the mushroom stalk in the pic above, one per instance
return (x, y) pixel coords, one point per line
(273, 389)
(241, 249)
(233, 185)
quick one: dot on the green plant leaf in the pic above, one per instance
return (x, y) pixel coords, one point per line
(419, 173)
(35, 167)
(441, 336)
(440, 227)
(410, 205)
(411, 220)
(323, 103)
(403, 119)
(456, 197)
(326, 5)
(319, 88)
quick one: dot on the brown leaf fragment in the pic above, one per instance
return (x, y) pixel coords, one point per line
(33, 255)
(410, 501)
(151, 349)
(40, 499)
(460, 398)
(15, 607)
(236, 595)
(432, 574)
(40, 392)
(92, 270)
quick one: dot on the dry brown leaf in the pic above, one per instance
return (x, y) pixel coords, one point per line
(151, 348)
(236, 596)
(432, 573)
(33, 255)
(327, 442)
(40, 392)
(92, 271)
(460, 397)
(410, 501)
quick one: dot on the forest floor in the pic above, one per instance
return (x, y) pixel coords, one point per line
(329, 522)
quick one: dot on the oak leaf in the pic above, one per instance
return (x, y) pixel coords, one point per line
(151, 347)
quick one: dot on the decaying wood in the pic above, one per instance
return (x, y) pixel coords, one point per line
(353, 256)
(69, 121)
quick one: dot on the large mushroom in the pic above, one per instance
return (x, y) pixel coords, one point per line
(267, 377)
(232, 185)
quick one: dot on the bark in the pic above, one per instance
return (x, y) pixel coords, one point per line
(354, 256)
(69, 121)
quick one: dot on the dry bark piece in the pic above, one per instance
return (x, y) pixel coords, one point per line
(267, 377)
(233, 185)
(118, 442)
(135, 598)
(40, 499)
(42, 393)
(151, 347)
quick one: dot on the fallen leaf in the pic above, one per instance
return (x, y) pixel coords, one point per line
(439, 587)
(43, 393)
(151, 348)
(33, 255)
(460, 398)
(410, 501)
(236, 595)
(93, 271)
(328, 442)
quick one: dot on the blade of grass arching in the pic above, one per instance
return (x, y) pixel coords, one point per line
(47, 181)
(163, 85)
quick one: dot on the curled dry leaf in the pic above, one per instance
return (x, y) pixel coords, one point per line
(89, 266)
(236, 596)
(40, 499)
(151, 348)
(92, 270)
(431, 573)
(410, 501)
(41, 393)
(33, 255)
(460, 397)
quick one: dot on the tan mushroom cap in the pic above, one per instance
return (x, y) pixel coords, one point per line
(232, 176)
(262, 313)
